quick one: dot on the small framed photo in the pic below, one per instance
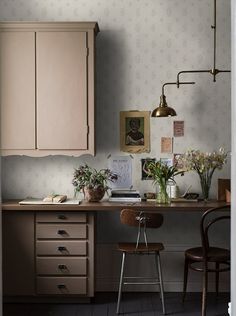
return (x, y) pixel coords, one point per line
(167, 161)
(143, 173)
(135, 131)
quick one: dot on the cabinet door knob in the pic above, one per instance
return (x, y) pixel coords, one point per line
(61, 232)
(61, 248)
(61, 216)
(61, 286)
(62, 267)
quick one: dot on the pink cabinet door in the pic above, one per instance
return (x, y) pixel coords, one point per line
(61, 72)
(17, 92)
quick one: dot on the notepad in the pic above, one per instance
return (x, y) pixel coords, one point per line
(36, 201)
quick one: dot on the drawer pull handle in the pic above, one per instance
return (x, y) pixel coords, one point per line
(61, 248)
(61, 232)
(61, 217)
(61, 286)
(62, 267)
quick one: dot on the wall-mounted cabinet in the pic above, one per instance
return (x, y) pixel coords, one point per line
(47, 88)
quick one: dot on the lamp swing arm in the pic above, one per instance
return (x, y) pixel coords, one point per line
(214, 71)
(175, 83)
(163, 110)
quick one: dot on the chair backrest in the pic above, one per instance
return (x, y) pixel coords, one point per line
(209, 218)
(134, 218)
(142, 220)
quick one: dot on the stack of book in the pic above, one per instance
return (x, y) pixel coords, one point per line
(125, 196)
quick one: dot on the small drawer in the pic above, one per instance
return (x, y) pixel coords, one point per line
(62, 285)
(62, 266)
(61, 248)
(61, 217)
(63, 231)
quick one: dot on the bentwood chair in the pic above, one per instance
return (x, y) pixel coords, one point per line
(142, 221)
(210, 258)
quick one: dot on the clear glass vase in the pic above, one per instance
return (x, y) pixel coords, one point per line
(162, 195)
(205, 180)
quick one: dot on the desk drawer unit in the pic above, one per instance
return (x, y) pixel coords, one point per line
(62, 266)
(64, 253)
(62, 247)
(62, 286)
(61, 231)
(61, 217)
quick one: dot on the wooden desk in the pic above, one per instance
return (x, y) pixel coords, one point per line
(112, 206)
(34, 234)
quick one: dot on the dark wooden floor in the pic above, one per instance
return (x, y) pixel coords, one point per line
(133, 304)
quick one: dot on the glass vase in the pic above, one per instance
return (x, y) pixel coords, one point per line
(205, 181)
(162, 195)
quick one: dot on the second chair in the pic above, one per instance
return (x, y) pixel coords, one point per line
(141, 220)
(206, 255)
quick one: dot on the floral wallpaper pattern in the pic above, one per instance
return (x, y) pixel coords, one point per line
(142, 44)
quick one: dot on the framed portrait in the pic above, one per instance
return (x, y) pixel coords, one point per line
(135, 131)
(144, 176)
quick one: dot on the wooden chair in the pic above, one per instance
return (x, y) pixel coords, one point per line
(142, 221)
(207, 255)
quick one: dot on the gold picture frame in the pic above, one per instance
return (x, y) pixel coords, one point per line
(135, 131)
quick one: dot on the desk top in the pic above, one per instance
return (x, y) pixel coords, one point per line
(13, 205)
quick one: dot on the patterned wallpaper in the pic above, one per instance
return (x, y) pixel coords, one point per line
(142, 44)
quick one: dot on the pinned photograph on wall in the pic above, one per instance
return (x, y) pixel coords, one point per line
(122, 166)
(135, 131)
(167, 145)
(167, 161)
(178, 161)
(178, 128)
(144, 175)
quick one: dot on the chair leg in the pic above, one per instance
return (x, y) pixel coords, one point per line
(186, 263)
(159, 272)
(121, 283)
(204, 291)
(217, 277)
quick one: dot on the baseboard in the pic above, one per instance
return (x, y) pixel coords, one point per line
(108, 261)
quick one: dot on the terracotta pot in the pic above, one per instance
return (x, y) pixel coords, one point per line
(94, 195)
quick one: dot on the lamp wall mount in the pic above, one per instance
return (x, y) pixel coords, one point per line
(213, 71)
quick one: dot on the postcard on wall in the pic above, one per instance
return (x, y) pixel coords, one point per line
(166, 145)
(178, 128)
(177, 161)
(135, 131)
(167, 161)
(122, 166)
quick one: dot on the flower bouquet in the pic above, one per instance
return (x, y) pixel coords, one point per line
(161, 174)
(204, 164)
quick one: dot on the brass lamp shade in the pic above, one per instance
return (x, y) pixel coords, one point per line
(163, 110)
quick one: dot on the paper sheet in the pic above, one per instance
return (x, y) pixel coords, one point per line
(40, 201)
(122, 165)
(166, 144)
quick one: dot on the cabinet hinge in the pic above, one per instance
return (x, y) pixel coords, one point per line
(87, 51)
(87, 129)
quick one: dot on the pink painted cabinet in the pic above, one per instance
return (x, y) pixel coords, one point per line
(47, 88)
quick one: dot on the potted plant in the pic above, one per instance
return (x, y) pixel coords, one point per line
(161, 174)
(92, 182)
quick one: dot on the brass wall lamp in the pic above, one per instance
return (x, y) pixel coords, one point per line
(163, 110)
